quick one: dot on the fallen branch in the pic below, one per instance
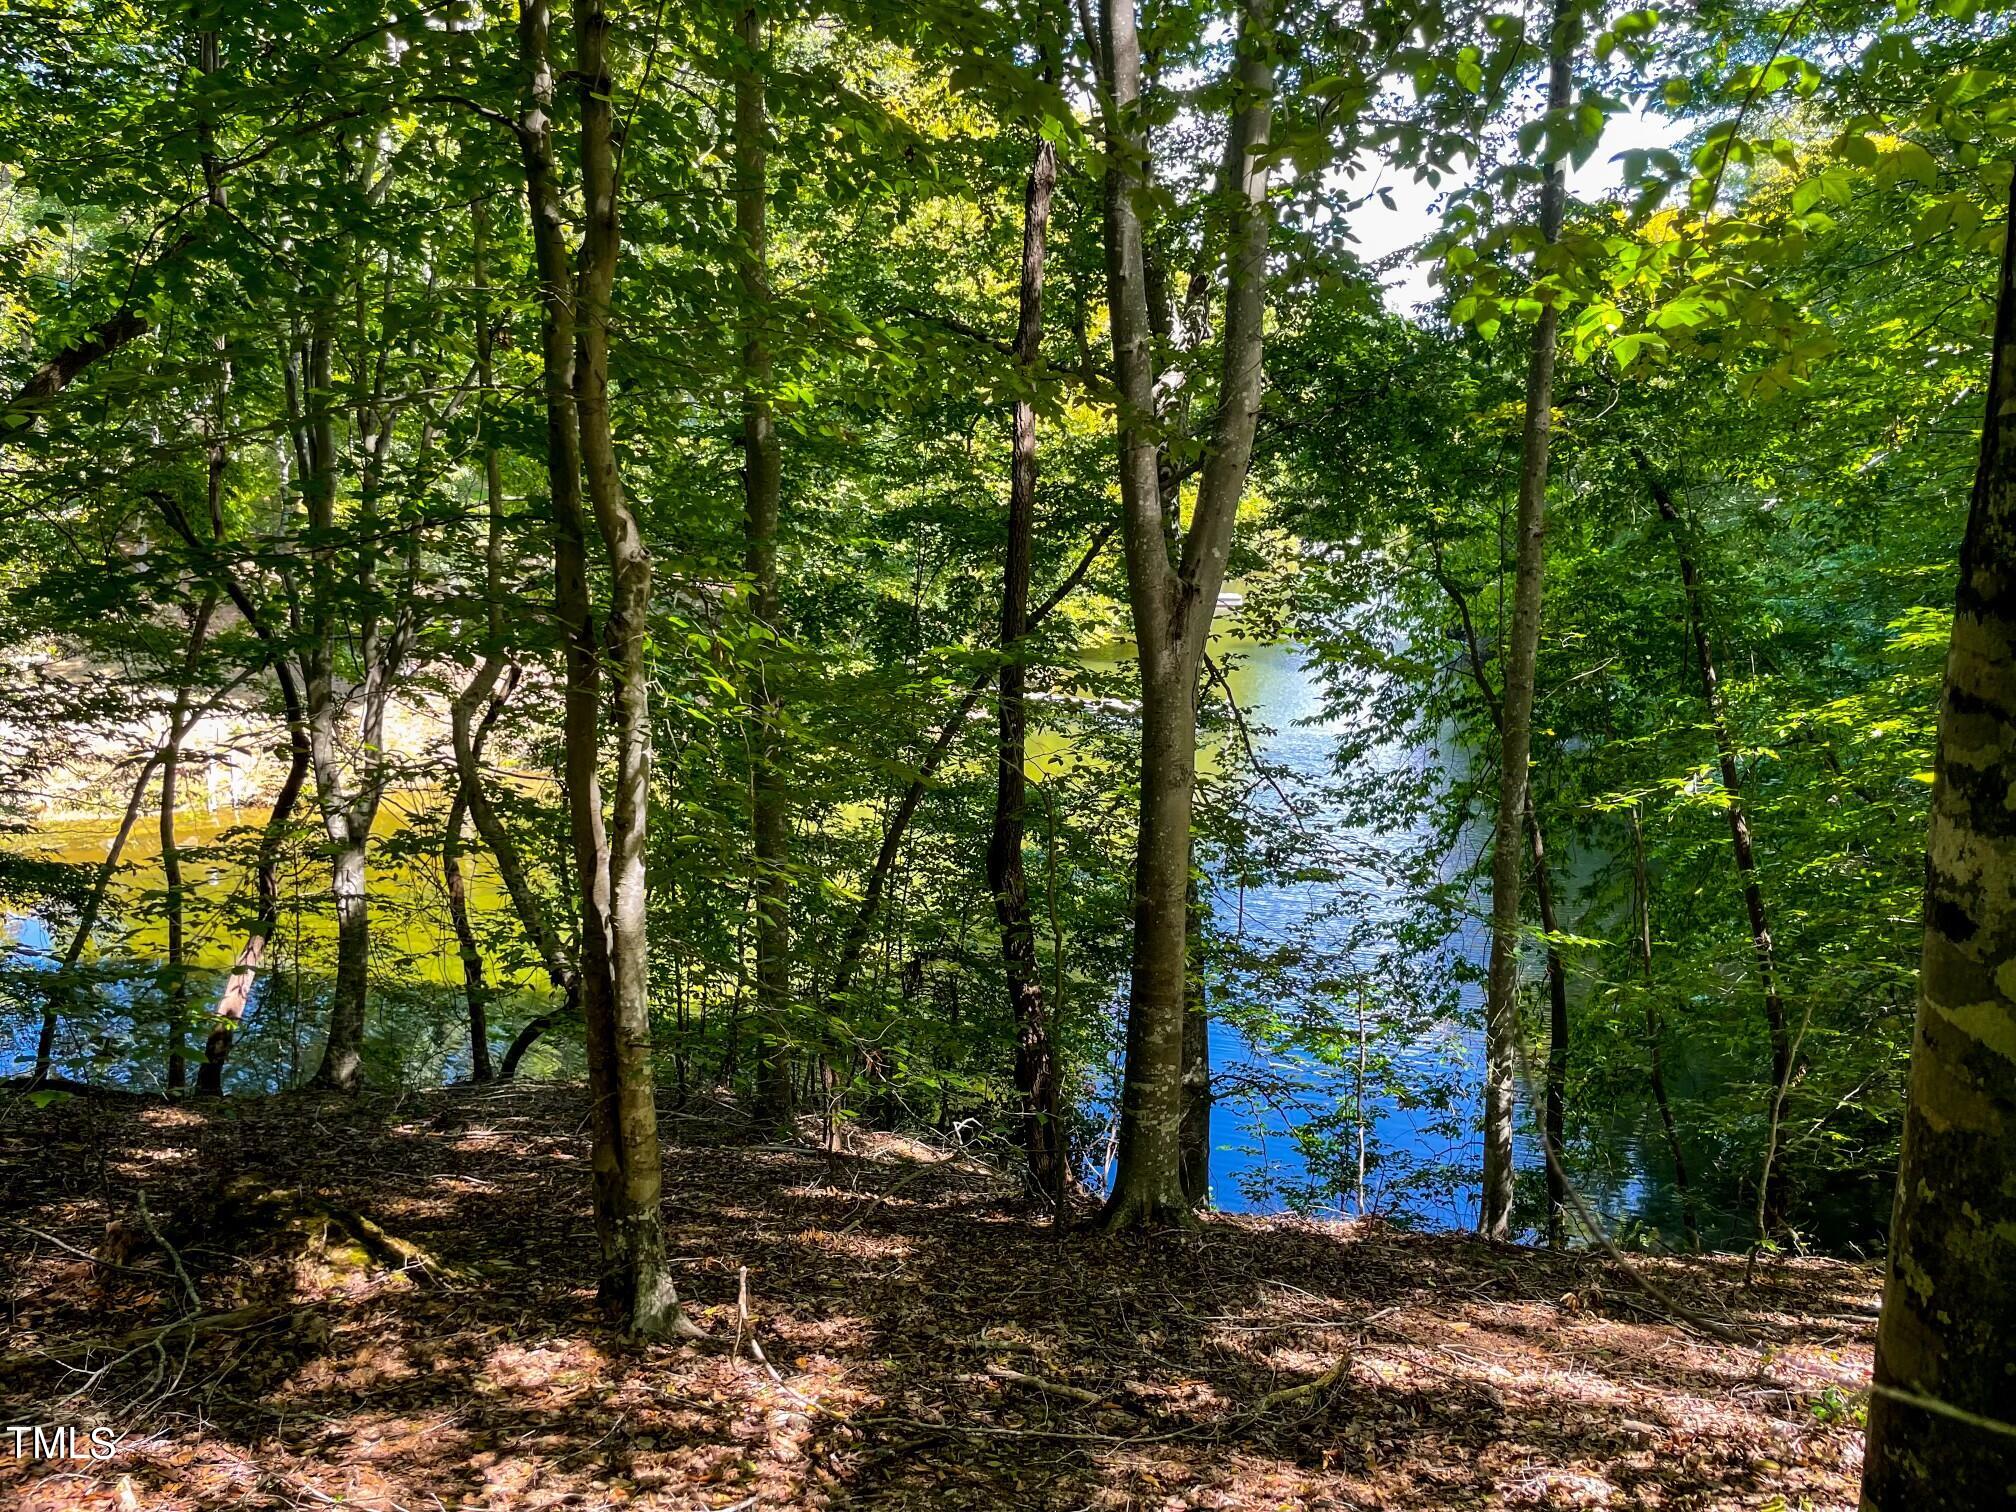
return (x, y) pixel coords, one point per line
(1307, 1389)
(238, 1320)
(745, 1342)
(1054, 1388)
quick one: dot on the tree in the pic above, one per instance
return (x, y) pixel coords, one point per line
(1939, 1429)
(1501, 1010)
(1172, 602)
(1036, 1073)
(762, 488)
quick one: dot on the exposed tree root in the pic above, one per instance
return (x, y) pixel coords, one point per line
(256, 1202)
(1130, 1212)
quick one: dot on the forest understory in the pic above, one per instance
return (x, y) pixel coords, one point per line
(388, 1303)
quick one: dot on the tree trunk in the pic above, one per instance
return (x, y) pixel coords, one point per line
(1642, 899)
(580, 734)
(467, 734)
(343, 1052)
(1557, 1033)
(87, 919)
(762, 487)
(1941, 1436)
(854, 943)
(179, 722)
(1501, 998)
(1036, 1080)
(1195, 1134)
(342, 1065)
(1172, 604)
(637, 1287)
(1770, 1197)
(475, 991)
(1543, 887)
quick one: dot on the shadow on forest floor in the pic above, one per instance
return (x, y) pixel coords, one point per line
(934, 1348)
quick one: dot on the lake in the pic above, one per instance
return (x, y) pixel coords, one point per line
(1343, 1041)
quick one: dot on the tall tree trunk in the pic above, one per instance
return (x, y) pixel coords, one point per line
(475, 991)
(343, 1052)
(1173, 603)
(1770, 1195)
(1194, 1137)
(1556, 1118)
(637, 1284)
(87, 919)
(466, 742)
(1941, 1436)
(1501, 996)
(1641, 890)
(580, 735)
(179, 722)
(762, 488)
(342, 1067)
(585, 978)
(1036, 1079)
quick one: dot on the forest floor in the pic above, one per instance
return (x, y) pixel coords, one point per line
(388, 1303)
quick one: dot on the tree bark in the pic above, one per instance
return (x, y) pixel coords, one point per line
(1654, 1032)
(581, 732)
(1036, 1081)
(342, 1067)
(1194, 1137)
(762, 491)
(637, 1287)
(347, 812)
(1770, 1195)
(467, 731)
(1941, 1436)
(1172, 603)
(1501, 998)
(580, 735)
(342, 1054)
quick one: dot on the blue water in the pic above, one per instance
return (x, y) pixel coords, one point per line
(1361, 931)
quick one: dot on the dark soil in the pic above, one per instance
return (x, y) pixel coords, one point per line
(396, 1299)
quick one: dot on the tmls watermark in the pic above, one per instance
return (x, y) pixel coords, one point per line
(52, 1442)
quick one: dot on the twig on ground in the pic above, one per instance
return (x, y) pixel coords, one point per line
(174, 1257)
(1055, 1388)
